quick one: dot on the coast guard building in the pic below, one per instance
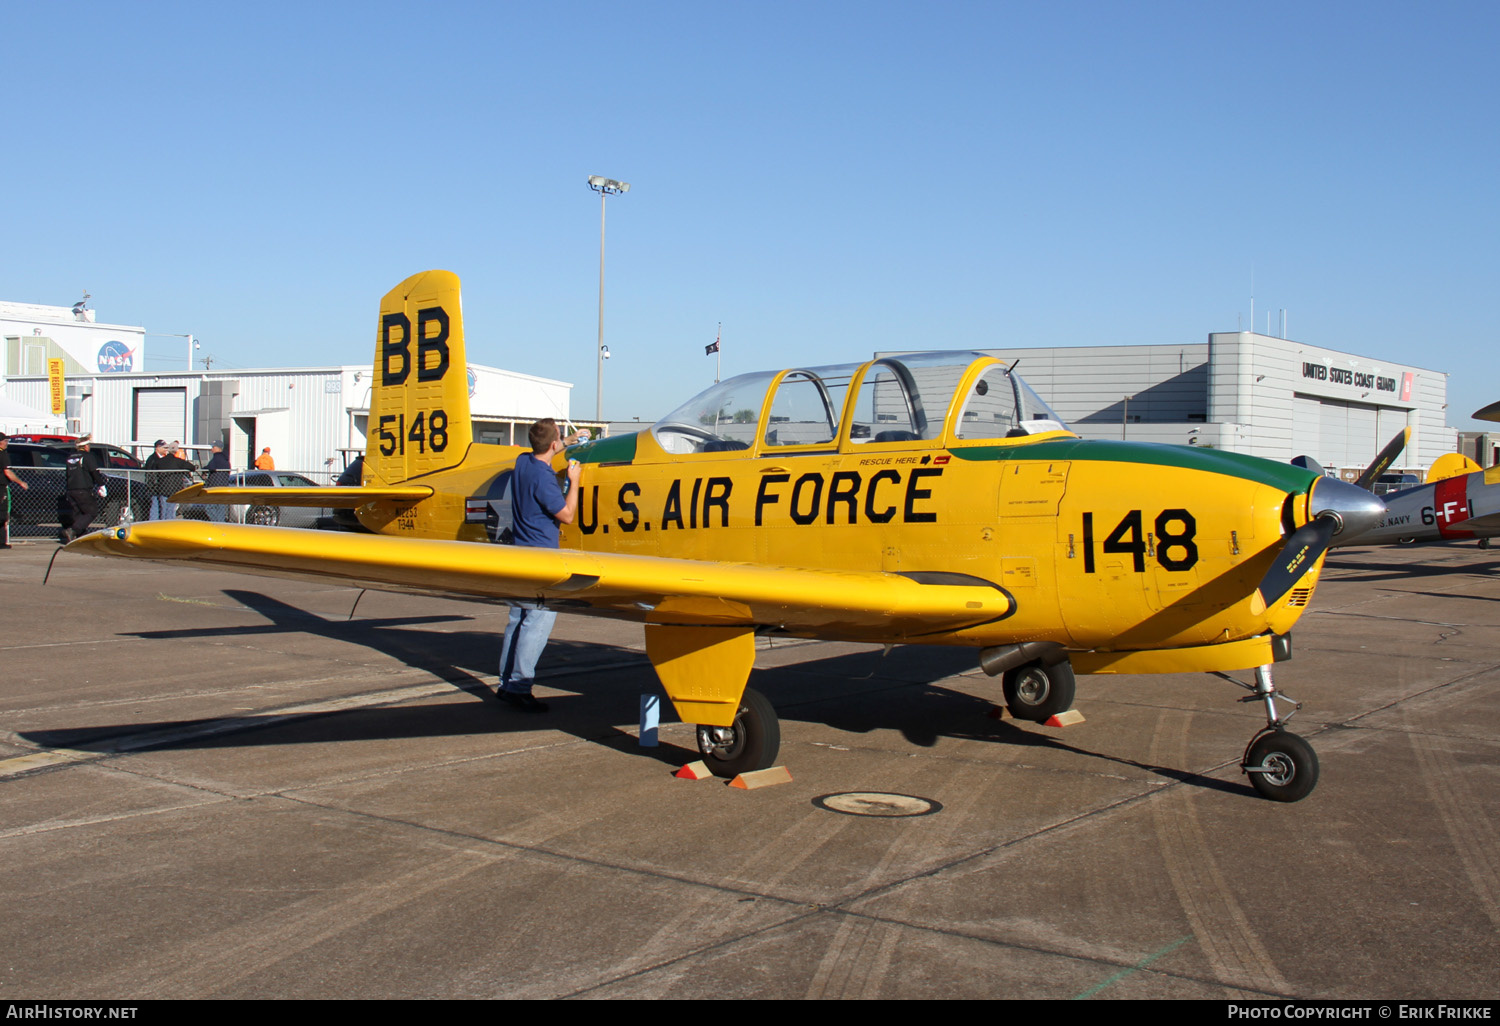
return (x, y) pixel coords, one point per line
(1250, 393)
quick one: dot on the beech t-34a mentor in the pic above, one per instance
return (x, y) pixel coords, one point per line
(929, 499)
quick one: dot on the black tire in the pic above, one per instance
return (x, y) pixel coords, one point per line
(1035, 692)
(751, 744)
(1290, 766)
(263, 516)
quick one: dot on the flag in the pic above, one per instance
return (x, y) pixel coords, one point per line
(711, 350)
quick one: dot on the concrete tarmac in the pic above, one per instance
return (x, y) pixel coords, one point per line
(222, 786)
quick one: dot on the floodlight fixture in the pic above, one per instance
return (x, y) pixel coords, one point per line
(607, 185)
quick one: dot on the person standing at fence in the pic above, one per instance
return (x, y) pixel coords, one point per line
(216, 475)
(156, 482)
(7, 478)
(178, 475)
(85, 488)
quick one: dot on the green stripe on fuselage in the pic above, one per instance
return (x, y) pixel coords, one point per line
(615, 449)
(621, 449)
(1212, 461)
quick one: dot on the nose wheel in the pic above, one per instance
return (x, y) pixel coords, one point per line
(1281, 766)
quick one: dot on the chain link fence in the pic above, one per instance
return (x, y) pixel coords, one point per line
(139, 495)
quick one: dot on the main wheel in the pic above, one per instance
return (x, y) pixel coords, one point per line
(1035, 692)
(752, 743)
(1282, 766)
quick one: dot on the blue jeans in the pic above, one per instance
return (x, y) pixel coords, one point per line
(525, 636)
(161, 509)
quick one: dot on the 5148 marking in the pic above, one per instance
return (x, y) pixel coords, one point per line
(434, 434)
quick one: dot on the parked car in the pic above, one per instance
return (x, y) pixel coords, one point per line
(1395, 482)
(266, 515)
(44, 438)
(43, 467)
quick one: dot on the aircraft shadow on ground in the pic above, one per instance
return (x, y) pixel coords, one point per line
(856, 693)
(1364, 571)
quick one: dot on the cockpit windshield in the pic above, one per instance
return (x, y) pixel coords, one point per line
(904, 398)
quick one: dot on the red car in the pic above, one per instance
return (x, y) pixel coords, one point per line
(44, 438)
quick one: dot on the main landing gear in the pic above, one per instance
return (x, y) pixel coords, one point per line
(1281, 766)
(1037, 692)
(751, 743)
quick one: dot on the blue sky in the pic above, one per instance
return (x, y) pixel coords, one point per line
(826, 179)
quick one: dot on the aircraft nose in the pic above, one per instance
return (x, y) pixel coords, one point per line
(1354, 509)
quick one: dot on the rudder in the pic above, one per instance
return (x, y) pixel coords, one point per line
(419, 402)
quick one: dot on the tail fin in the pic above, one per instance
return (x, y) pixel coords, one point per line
(419, 403)
(1451, 464)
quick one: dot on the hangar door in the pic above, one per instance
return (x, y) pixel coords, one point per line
(1348, 433)
(159, 413)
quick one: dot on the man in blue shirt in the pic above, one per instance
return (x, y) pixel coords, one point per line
(537, 508)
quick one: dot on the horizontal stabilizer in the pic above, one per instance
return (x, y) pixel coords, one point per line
(1308, 463)
(335, 498)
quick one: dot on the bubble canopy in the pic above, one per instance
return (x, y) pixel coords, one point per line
(945, 397)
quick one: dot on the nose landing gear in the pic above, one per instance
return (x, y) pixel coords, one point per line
(1281, 766)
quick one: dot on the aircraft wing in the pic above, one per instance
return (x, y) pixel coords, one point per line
(855, 605)
(340, 498)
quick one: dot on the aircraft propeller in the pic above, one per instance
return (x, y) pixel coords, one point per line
(1340, 507)
(1380, 465)
(1384, 460)
(1490, 412)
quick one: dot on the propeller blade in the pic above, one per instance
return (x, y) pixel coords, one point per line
(1384, 460)
(1490, 412)
(1300, 552)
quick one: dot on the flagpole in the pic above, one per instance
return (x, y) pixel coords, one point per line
(718, 353)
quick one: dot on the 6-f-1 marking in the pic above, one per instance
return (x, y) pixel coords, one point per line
(1127, 537)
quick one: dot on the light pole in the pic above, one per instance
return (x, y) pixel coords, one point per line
(605, 187)
(192, 343)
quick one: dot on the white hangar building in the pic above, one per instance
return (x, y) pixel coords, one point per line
(1250, 393)
(312, 418)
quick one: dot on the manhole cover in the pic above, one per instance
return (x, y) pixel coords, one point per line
(877, 803)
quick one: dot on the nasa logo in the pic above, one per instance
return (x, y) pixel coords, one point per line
(115, 358)
(473, 381)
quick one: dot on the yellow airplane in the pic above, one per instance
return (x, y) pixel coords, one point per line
(927, 499)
